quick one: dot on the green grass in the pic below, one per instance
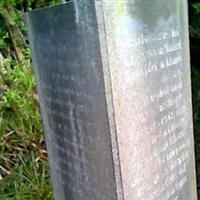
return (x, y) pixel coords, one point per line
(24, 173)
(23, 162)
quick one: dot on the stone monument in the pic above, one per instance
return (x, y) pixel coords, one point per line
(113, 79)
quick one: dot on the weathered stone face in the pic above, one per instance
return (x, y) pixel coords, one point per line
(147, 45)
(68, 67)
(113, 79)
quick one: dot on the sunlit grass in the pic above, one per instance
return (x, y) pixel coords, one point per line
(23, 162)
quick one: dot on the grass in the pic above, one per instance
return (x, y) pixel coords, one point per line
(23, 162)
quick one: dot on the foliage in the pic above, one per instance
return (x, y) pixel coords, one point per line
(195, 20)
(195, 47)
(23, 162)
(23, 166)
(196, 112)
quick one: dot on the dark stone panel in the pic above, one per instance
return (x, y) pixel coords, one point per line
(67, 61)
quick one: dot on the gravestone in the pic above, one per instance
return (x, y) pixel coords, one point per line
(113, 79)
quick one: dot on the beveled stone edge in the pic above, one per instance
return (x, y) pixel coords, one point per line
(109, 97)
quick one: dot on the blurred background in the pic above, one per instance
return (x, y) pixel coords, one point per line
(24, 171)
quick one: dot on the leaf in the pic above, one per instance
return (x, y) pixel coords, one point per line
(196, 6)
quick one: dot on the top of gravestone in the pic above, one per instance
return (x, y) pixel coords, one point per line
(46, 8)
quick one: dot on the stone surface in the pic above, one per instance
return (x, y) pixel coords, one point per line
(114, 86)
(68, 67)
(150, 75)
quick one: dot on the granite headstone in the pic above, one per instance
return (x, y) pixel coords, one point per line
(113, 79)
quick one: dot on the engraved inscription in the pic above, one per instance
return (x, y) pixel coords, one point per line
(148, 78)
(164, 135)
